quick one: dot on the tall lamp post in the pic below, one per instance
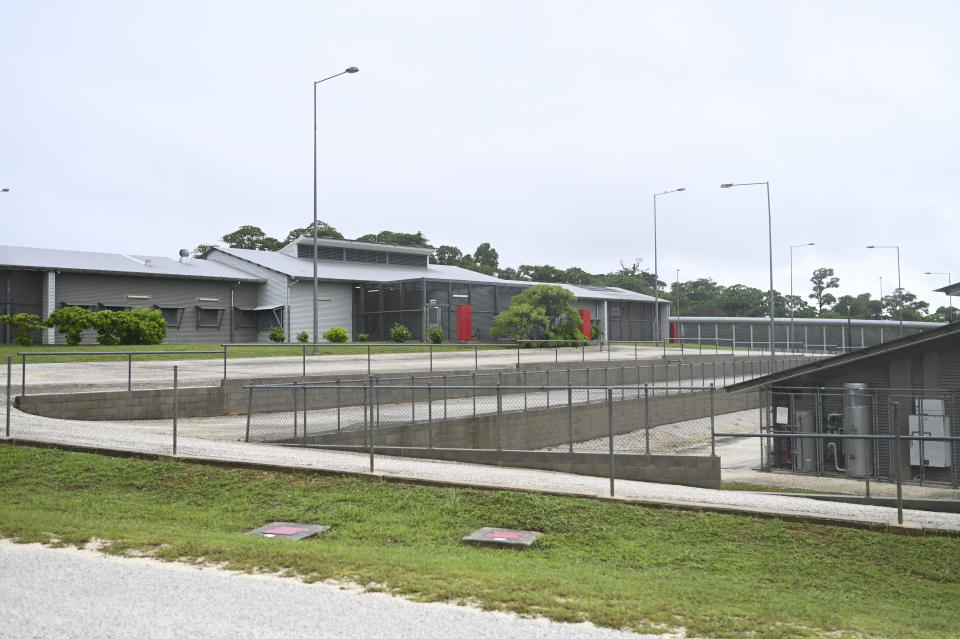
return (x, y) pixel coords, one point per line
(791, 287)
(316, 284)
(773, 358)
(949, 295)
(899, 288)
(656, 278)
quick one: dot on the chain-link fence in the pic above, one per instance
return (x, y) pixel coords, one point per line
(421, 413)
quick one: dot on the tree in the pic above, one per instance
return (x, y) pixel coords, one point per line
(542, 312)
(743, 301)
(71, 321)
(391, 237)
(799, 307)
(944, 314)
(861, 306)
(914, 310)
(251, 237)
(203, 248)
(576, 275)
(545, 273)
(822, 280)
(448, 255)
(323, 230)
(486, 257)
(509, 273)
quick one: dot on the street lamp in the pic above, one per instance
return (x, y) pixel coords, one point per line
(949, 295)
(899, 288)
(316, 285)
(790, 345)
(656, 278)
(773, 359)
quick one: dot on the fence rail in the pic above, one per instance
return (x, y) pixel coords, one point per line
(494, 358)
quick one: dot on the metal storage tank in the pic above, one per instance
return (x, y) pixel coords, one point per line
(806, 446)
(857, 420)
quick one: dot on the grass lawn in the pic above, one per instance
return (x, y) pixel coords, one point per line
(614, 564)
(174, 351)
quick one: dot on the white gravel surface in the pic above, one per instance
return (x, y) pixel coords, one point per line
(70, 593)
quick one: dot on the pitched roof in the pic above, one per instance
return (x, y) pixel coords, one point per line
(28, 258)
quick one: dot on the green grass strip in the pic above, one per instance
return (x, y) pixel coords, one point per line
(617, 565)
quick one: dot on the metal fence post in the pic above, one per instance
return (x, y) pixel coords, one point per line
(365, 407)
(174, 410)
(368, 360)
(897, 452)
(129, 372)
(429, 414)
(518, 354)
(476, 357)
(431, 357)
(304, 411)
(444, 398)
(224, 361)
(646, 417)
(294, 389)
(524, 391)
(610, 427)
(23, 374)
(473, 391)
(583, 352)
(338, 405)
(499, 417)
(413, 399)
(570, 414)
(246, 437)
(713, 429)
(371, 425)
(304, 360)
(9, 398)
(588, 384)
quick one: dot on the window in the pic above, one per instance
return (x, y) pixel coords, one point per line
(172, 316)
(209, 317)
(245, 318)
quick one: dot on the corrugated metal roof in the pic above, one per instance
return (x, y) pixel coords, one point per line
(21, 257)
(358, 272)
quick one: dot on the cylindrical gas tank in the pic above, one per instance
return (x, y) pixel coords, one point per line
(857, 420)
(806, 446)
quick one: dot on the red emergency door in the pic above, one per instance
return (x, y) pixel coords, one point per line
(585, 327)
(464, 323)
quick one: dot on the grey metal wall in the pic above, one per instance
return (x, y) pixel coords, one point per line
(20, 292)
(86, 289)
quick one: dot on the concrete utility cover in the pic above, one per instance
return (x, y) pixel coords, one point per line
(287, 530)
(502, 537)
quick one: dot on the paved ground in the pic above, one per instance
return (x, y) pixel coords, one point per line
(69, 593)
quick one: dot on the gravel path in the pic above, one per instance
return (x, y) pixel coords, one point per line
(69, 593)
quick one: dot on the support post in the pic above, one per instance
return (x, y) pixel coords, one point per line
(175, 410)
(224, 362)
(371, 425)
(246, 437)
(129, 372)
(646, 417)
(499, 417)
(713, 429)
(610, 428)
(9, 398)
(896, 457)
(570, 414)
(430, 414)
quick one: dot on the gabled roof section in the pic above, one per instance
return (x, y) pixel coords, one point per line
(39, 259)
(372, 246)
(941, 336)
(950, 289)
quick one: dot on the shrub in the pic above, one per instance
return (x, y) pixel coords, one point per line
(71, 321)
(23, 324)
(303, 337)
(336, 335)
(435, 334)
(363, 337)
(595, 331)
(541, 312)
(139, 326)
(277, 334)
(399, 333)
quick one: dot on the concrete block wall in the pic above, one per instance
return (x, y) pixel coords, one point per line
(686, 470)
(545, 427)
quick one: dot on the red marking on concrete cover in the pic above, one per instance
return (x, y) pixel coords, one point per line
(504, 534)
(284, 530)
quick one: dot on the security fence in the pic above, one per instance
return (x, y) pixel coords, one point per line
(860, 432)
(416, 412)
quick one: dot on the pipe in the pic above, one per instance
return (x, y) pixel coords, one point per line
(836, 457)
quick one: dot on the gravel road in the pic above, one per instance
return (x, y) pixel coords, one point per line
(70, 593)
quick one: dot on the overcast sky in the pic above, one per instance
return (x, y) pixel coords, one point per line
(543, 128)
